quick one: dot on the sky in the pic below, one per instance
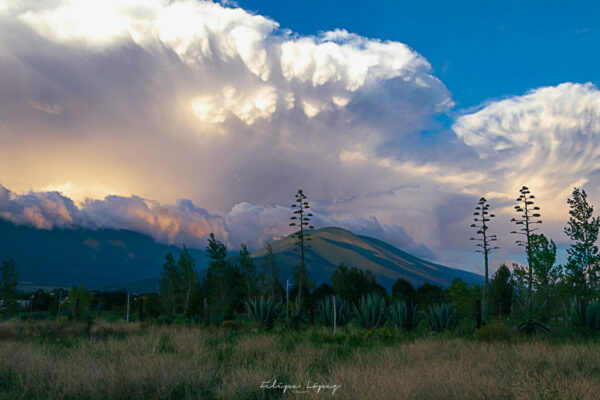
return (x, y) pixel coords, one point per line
(181, 118)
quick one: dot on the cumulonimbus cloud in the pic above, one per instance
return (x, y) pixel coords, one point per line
(191, 99)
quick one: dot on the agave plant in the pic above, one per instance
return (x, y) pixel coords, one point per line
(264, 310)
(531, 324)
(371, 311)
(403, 315)
(442, 317)
(575, 317)
(325, 311)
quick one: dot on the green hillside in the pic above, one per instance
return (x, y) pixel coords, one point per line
(332, 246)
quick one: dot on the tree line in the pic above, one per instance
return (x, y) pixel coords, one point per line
(230, 283)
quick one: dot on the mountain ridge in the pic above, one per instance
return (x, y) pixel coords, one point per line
(111, 259)
(332, 246)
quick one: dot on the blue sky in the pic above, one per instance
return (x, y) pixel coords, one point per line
(481, 50)
(181, 118)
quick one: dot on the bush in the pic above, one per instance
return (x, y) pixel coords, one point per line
(495, 332)
(230, 325)
(370, 312)
(403, 316)
(442, 317)
(574, 316)
(325, 311)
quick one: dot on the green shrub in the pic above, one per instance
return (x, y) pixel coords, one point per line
(371, 311)
(230, 325)
(494, 332)
(325, 311)
(166, 319)
(401, 315)
(264, 310)
(442, 317)
(575, 318)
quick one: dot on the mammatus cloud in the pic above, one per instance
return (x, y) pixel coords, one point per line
(183, 222)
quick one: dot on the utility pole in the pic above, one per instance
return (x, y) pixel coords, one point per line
(59, 302)
(128, 306)
(334, 314)
(287, 298)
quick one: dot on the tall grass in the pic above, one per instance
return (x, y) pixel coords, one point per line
(121, 361)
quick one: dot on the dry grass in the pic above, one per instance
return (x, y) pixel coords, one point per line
(133, 361)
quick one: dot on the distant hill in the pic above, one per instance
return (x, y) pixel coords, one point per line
(98, 259)
(110, 259)
(332, 246)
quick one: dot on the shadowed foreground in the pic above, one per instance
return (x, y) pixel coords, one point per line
(53, 360)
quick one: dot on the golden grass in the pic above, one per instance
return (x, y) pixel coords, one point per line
(133, 361)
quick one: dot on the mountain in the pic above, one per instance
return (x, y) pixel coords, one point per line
(332, 246)
(111, 259)
(98, 259)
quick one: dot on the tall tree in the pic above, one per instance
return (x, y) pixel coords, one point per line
(546, 273)
(528, 219)
(404, 290)
(462, 297)
(84, 297)
(186, 266)
(582, 266)
(10, 280)
(270, 274)
(429, 294)
(501, 290)
(301, 219)
(248, 271)
(353, 283)
(220, 275)
(170, 283)
(484, 243)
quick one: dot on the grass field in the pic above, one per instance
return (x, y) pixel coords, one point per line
(67, 360)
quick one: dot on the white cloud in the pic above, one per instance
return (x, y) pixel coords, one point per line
(190, 99)
(183, 222)
(205, 34)
(547, 139)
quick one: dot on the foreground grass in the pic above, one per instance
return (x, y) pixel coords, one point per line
(60, 360)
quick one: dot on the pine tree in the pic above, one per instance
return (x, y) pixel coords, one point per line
(582, 266)
(271, 274)
(220, 275)
(502, 289)
(248, 271)
(170, 283)
(189, 276)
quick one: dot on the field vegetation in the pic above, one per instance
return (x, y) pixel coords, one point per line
(116, 360)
